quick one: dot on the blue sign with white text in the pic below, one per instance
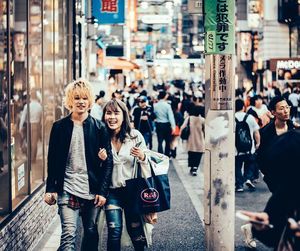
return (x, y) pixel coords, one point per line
(109, 11)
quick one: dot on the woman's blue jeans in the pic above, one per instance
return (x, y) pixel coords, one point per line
(69, 222)
(115, 204)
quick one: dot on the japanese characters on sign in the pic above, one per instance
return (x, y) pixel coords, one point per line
(109, 11)
(219, 27)
(221, 82)
(109, 6)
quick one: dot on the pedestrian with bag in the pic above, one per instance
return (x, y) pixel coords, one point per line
(195, 138)
(247, 139)
(128, 145)
(77, 179)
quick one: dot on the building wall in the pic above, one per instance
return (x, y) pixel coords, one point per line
(275, 43)
(25, 229)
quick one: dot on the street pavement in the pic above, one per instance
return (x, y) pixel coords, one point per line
(181, 227)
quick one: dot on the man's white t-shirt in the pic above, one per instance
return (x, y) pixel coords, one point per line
(253, 126)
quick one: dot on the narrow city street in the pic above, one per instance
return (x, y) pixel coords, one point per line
(181, 228)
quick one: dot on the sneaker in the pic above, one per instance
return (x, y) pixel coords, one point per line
(239, 190)
(250, 184)
(247, 231)
(193, 171)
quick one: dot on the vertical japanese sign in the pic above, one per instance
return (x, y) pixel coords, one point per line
(222, 82)
(219, 26)
(109, 11)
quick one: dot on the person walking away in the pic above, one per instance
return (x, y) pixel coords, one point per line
(143, 116)
(75, 173)
(164, 123)
(97, 110)
(196, 142)
(178, 121)
(247, 139)
(127, 144)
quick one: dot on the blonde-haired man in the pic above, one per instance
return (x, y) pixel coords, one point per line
(76, 175)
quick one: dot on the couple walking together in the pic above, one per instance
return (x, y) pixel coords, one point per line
(88, 164)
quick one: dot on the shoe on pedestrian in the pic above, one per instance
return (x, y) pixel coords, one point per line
(239, 189)
(250, 184)
(255, 181)
(247, 231)
(193, 171)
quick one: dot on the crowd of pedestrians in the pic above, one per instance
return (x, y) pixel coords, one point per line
(270, 123)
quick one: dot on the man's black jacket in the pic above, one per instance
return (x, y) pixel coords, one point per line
(268, 137)
(95, 136)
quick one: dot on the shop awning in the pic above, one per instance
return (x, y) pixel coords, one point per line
(119, 64)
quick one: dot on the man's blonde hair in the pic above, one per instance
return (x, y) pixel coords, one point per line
(80, 87)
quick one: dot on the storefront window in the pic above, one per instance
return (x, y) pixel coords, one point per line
(48, 52)
(60, 55)
(18, 104)
(4, 168)
(35, 83)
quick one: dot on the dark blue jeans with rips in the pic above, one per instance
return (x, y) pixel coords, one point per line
(114, 207)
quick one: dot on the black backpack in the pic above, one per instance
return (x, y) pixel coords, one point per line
(243, 140)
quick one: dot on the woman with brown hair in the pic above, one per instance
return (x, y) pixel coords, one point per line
(127, 145)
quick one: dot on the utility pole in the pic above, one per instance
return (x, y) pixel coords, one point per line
(219, 175)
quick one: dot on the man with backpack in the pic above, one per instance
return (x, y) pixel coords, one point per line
(247, 139)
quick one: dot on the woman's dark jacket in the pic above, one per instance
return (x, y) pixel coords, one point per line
(95, 136)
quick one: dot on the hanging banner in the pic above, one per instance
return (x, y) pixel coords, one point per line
(109, 11)
(219, 27)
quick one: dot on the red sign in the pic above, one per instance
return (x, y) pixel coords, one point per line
(109, 6)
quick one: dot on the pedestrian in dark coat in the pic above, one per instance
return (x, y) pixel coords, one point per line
(285, 200)
(76, 175)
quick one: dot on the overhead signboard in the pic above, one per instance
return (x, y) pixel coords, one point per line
(195, 7)
(156, 19)
(219, 27)
(287, 69)
(109, 11)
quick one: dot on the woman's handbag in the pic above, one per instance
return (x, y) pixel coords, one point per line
(185, 132)
(148, 195)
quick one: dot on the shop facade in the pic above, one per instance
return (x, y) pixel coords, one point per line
(37, 60)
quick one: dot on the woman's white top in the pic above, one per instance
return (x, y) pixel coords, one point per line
(124, 162)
